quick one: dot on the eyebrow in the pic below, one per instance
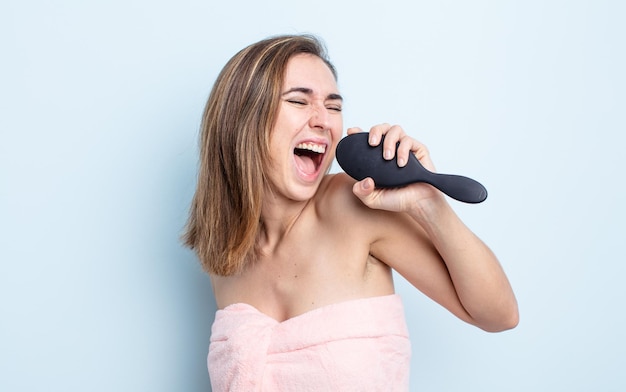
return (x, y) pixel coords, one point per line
(308, 91)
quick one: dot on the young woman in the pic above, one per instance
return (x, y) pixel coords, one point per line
(301, 261)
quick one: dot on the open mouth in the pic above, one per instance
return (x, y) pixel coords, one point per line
(309, 157)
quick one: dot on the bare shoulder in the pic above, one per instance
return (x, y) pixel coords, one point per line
(335, 188)
(335, 200)
(392, 235)
(337, 206)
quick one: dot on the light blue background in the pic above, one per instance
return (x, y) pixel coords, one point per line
(100, 103)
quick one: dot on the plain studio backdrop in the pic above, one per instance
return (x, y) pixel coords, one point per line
(100, 105)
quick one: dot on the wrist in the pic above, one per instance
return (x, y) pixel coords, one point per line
(431, 210)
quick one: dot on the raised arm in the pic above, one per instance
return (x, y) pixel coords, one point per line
(426, 242)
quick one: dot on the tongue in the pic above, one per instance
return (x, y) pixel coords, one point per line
(305, 164)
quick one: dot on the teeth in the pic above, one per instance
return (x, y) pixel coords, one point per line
(320, 149)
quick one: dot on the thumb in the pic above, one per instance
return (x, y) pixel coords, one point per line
(364, 188)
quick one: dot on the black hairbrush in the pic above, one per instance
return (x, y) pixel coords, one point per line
(360, 160)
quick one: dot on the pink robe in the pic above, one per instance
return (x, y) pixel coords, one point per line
(356, 345)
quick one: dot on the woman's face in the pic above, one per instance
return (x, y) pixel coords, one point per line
(307, 130)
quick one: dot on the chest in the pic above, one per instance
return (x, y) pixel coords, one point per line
(311, 266)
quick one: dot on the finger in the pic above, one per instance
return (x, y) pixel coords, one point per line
(364, 188)
(393, 135)
(423, 155)
(352, 130)
(407, 146)
(376, 133)
(422, 152)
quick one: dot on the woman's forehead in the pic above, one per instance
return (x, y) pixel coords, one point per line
(308, 71)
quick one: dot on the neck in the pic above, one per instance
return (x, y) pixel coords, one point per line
(278, 216)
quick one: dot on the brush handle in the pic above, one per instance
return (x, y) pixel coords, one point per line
(457, 187)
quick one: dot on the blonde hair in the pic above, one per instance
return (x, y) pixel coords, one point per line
(225, 215)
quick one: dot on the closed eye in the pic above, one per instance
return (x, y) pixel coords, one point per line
(334, 108)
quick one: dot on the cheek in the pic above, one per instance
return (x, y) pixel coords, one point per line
(338, 128)
(279, 149)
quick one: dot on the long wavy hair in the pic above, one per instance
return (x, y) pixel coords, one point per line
(225, 215)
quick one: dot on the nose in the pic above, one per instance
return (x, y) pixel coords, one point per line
(319, 118)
